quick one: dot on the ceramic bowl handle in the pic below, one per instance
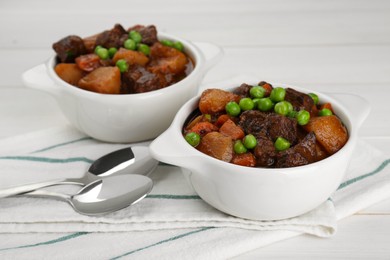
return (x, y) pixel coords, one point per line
(212, 53)
(360, 108)
(166, 148)
(38, 78)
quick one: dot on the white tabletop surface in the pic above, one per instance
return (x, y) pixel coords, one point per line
(341, 46)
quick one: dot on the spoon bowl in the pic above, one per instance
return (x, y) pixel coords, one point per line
(105, 195)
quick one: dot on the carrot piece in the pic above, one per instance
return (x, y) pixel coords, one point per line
(88, 62)
(328, 106)
(245, 159)
(222, 119)
(229, 128)
(203, 128)
(268, 89)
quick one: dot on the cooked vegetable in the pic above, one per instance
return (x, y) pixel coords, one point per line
(143, 48)
(244, 159)
(132, 57)
(325, 112)
(122, 65)
(213, 101)
(246, 104)
(315, 98)
(233, 109)
(278, 94)
(130, 44)
(106, 80)
(193, 139)
(202, 128)
(88, 62)
(283, 107)
(135, 36)
(229, 128)
(303, 117)
(250, 141)
(69, 72)
(281, 144)
(178, 46)
(329, 131)
(102, 53)
(239, 147)
(265, 104)
(217, 145)
(167, 43)
(257, 92)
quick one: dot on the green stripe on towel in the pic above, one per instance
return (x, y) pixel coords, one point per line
(361, 177)
(164, 241)
(53, 241)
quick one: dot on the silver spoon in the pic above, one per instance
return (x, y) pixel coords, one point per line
(105, 195)
(134, 159)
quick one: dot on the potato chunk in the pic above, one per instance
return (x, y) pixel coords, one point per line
(132, 57)
(329, 131)
(213, 101)
(106, 80)
(69, 72)
(217, 145)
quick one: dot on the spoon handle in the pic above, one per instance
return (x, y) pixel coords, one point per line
(16, 190)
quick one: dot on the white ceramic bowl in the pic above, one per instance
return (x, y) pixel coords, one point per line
(125, 118)
(260, 193)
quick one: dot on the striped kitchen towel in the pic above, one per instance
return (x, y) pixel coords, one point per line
(170, 223)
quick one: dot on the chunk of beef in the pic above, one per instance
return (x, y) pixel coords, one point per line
(299, 100)
(303, 153)
(112, 38)
(138, 80)
(264, 152)
(69, 48)
(149, 34)
(282, 126)
(243, 90)
(254, 122)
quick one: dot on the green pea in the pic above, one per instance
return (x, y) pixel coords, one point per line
(239, 147)
(178, 46)
(325, 112)
(130, 44)
(256, 102)
(112, 51)
(135, 36)
(122, 65)
(303, 117)
(168, 43)
(97, 48)
(246, 104)
(193, 139)
(102, 53)
(283, 108)
(250, 141)
(232, 108)
(292, 114)
(315, 98)
(257, 92)
(278, 94)
(281, 144)
(265, 104)
(143, 48)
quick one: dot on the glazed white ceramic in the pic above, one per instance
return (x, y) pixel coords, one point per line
(260, 193)
(124, 118)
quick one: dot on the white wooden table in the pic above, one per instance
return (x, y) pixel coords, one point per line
(341, 46)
